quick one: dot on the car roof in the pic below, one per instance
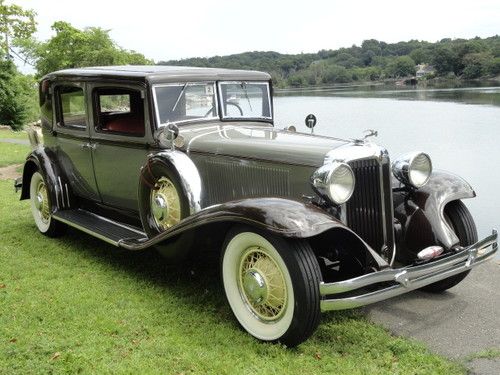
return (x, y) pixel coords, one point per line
(159, 73)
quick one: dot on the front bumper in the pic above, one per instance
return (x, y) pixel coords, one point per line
(352, 293)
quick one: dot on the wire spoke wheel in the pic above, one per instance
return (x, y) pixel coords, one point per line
(165, 204)
(262, 284)
(271, 284)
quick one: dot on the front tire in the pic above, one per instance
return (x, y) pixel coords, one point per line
(272, 285)
(460, 220)
(41, 207)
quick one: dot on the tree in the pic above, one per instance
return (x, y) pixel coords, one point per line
(73, 48)
(444, 60)
(12, 108)
(493, 66)
(476, 64)
(15, 23)
(402, 66)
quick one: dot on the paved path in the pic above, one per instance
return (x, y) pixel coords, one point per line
(458, 323)
(16, 141)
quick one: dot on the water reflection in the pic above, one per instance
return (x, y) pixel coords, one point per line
(468, 93)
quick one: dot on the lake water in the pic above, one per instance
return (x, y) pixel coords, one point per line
(458, 127)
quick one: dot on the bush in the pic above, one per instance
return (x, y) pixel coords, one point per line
(13, 111)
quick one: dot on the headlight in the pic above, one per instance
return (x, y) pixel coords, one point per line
(334, 181)
(413, 169)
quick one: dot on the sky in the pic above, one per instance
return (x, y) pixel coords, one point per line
(165, 30)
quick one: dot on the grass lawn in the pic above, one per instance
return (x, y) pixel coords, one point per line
(11, 153)
(5, 133)
(78, 305)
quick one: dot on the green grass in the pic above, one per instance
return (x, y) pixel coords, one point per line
(492, 353)
(5, 133)
(11, 153)
(77, 305)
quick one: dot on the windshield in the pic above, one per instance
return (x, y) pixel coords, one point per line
(183, 102)
(240, 100)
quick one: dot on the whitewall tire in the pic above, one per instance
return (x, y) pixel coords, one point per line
(272, 285)
(41, 208)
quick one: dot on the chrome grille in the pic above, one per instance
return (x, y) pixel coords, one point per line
(366, 210)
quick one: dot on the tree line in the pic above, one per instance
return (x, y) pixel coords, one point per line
(372, 61)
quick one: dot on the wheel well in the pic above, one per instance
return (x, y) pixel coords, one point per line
(30, 167)
(341, 255)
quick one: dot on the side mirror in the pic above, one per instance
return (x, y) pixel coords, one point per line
(311, 122)
(167, 134)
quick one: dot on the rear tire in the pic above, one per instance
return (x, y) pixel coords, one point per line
(460, 220)
(41, 207)
(272, 285)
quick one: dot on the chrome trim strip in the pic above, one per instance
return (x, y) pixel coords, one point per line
(67, 194)
(62, 191)
(407, 278)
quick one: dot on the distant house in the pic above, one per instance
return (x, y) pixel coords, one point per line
(424, 69)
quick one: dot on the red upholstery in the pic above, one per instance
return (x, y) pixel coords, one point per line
(128, 125)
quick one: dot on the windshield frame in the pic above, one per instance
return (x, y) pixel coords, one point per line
(216, 116)
(259, 118)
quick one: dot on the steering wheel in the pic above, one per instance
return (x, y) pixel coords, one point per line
(237, 106)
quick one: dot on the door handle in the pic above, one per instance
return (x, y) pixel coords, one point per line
(91, 146)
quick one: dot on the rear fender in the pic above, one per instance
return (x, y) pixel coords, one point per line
(43, 159)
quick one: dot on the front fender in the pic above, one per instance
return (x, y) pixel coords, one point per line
(43, 159)
(283, 217)
(421, 212)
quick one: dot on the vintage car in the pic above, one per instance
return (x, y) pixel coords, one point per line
(175, 158)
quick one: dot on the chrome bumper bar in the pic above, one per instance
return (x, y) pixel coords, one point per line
(404, 279)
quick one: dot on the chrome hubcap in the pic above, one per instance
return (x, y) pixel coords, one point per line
(255, 286)
(41, 202)
(159, 207)
(262, 284)
(165, 204)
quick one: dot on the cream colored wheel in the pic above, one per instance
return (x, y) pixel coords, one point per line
(41, 208)
(165, 204)
(272, 285)
(40, 205)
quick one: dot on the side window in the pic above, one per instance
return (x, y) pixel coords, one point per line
(120, 111)
(71, 107)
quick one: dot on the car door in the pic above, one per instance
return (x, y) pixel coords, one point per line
(73, 138)
(120, 134)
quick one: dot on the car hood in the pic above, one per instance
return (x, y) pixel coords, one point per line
(262, 142)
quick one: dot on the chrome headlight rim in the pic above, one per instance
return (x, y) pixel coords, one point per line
(324, 178)
(405, 167)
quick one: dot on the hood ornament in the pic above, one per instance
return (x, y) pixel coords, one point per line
(367, 134)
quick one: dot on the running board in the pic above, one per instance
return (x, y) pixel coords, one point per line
(103, 228)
